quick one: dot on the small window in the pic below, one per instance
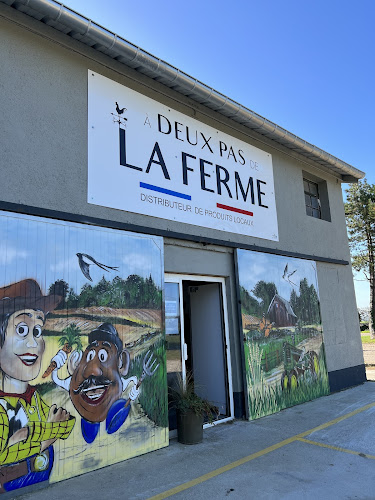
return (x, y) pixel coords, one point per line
(312, 200)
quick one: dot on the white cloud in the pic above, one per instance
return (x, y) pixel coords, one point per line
(136, 263)
(9, 254)
(63, 266)
(256, 266)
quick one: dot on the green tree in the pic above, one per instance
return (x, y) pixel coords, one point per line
(87, 297)
(134, 292)
(72, 299)
(265, 291)
(306, 305)
(294, 302)
(59, 287)
(360, 219)
(249, 305)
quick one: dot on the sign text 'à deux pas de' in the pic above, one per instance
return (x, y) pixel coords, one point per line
(147, 158)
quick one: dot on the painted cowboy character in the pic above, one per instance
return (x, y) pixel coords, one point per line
(28, 426)
(98, 379)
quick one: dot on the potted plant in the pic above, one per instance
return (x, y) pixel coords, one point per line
(191, 410)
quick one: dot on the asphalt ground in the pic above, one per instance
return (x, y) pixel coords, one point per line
(321, 449)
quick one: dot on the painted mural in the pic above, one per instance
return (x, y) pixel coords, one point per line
(82, 356)
(282, 332)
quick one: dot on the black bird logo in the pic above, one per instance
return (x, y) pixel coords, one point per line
(85, 266)
(120, 111)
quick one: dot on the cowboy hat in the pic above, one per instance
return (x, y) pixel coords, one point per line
(26, 294)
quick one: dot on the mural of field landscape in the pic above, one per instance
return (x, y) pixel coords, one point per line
(282, 332)
(93, 297)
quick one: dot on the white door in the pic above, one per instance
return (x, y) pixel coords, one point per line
(197, 338)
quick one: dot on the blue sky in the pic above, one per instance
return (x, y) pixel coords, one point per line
(257, 266)
(306, 65)
(46, 251)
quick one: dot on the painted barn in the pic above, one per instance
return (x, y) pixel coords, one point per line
(281, 313)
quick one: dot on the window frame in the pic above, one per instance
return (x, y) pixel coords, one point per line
(312, 198)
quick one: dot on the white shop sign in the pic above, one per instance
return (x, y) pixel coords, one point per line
(147, 158)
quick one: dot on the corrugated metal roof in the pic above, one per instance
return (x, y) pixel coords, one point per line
(80, 28)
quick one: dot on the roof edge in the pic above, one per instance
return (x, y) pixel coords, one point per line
(79, 27)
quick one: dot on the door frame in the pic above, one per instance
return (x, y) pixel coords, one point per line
(179, 278)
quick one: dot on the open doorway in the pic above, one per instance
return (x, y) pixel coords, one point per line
(197, 339)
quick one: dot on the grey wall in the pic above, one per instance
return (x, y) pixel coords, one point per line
(43, 130)
(194, 258)
(342, 337)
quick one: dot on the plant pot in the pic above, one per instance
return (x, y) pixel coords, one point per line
(189, 427)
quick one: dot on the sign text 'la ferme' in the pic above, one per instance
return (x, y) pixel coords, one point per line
(147, 158)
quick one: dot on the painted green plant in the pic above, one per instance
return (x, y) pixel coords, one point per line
(70, 339)
(153, 397)
(265, 398)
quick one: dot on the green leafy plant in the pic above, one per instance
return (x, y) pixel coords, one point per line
(71, 338)
(153, 397)
(185, 398)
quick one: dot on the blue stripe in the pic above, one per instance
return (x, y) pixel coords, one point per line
(165, 191)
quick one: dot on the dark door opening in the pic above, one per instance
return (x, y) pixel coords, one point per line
(205, 339)
(196, 341)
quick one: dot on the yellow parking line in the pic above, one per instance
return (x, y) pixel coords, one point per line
(336, 448)
(219, 471)
(336, 420)
(237, 463)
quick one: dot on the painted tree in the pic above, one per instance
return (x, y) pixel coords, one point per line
(265, 291)
(306, 304)
(249, 304)
(360, 219)
(59, 287)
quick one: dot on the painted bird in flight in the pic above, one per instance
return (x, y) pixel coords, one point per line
(286, 276)
(85, 266)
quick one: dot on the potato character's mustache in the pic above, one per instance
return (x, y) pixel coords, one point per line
(92, 381)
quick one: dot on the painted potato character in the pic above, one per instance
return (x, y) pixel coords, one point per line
(97, 381)
(28, 426)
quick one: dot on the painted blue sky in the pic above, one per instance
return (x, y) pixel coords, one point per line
(307, 66)
(46, 251)
(257, 266)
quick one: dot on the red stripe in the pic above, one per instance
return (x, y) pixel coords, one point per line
(232, 209)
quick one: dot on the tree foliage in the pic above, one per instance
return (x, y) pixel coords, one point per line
(134, 292)
(249, 304)
(264, 291)
(360, 219)
(59, 287)
(306, 304)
